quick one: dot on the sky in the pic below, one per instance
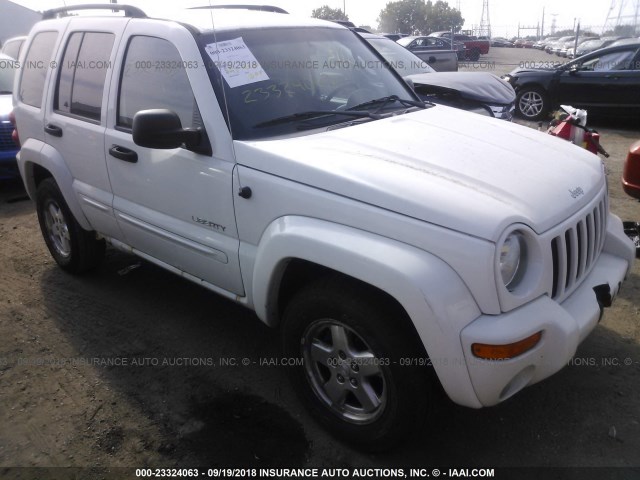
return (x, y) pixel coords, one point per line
(505, 15)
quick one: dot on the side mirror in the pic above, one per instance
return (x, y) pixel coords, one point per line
(161, 128)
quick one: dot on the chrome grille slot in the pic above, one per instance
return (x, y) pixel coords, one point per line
(575, 248)
(590, 238)
(582, 253)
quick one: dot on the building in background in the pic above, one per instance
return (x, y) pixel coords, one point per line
(15, 20)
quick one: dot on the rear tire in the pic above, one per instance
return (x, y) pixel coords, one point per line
(365, 375)
(73, 248)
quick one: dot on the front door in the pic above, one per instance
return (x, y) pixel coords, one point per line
(175, 206)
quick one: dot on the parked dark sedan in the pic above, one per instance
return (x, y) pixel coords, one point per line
(604, 82)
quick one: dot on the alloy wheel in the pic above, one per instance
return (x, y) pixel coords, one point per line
(344, 372)
(531, 104)
(57, 228)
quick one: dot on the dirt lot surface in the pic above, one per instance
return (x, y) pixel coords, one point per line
(123, 368)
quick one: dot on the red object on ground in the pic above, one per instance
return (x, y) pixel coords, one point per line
(631, 172)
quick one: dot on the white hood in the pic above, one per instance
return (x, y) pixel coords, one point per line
(462, 171)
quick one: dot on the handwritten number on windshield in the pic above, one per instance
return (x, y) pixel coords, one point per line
(274, 91)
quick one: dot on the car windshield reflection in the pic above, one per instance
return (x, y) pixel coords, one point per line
(278, 73)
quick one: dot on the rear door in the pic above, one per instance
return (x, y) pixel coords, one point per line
(174, 206)
(75, 114)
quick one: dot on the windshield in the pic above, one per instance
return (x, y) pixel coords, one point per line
(276, 73)
(8, 68)
(405, 62)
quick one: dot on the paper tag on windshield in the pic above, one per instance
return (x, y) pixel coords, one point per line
(236, 62)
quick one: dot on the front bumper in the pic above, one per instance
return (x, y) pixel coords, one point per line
(503, 112)
(563, 325)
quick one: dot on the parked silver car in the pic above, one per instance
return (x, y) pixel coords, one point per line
(592, 45)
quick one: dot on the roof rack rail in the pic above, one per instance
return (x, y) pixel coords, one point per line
(261, 8)
(128, 10)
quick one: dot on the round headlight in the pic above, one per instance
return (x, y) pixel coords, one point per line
(511, 254)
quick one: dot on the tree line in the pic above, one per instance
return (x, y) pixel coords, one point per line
(413, 17)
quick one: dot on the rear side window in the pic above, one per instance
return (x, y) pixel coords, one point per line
(153, 76)
(82, 74)
(36, 65)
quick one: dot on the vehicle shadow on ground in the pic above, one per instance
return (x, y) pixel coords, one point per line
(12, 191)
(247, 416)
(185, 348)
(585, 415)
(632, 125)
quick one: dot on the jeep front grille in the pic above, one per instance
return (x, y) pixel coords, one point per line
(576, 249)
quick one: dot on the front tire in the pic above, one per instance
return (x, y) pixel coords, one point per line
(73, 248)
(532, 103)
(361, 377)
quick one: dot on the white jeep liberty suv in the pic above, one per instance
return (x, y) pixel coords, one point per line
(279, 162)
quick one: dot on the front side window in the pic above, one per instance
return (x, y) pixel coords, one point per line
(36, 65)
(609, 61)
(153, 76)
(82, 74)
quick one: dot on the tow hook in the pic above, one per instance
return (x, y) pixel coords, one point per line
(632, 230)
(603, 296)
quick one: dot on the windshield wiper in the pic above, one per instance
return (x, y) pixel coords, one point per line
(384, 101)
(317, 113)
(5, 92)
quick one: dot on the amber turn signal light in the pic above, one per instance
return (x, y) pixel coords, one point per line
(505, 352)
